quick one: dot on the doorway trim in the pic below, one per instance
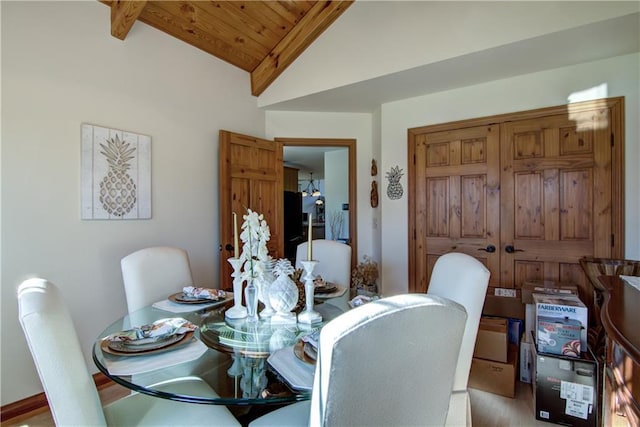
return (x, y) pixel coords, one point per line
(350, 144)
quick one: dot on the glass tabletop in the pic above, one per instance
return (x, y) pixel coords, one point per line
(233, 360)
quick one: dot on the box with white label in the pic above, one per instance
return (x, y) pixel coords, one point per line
(565, 389)
(564, 308)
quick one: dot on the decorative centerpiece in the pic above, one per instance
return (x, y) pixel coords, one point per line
(251, 266)
(364, 277)
(309, 316)
(283, 293)
(255, 235)
(238, 311)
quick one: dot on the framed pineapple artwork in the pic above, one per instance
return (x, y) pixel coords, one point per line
(115, 174)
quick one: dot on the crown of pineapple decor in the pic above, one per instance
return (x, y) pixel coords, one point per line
(394, 189)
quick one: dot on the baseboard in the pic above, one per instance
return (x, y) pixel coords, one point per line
(39, 401)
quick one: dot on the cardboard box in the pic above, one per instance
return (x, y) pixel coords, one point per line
(562, 308)
(530, 320)
(492, 339)
(530, 287)
(565, 389)
(516, 329)
(559, 336)
(526, 359)
(495, 377)
(503, 306)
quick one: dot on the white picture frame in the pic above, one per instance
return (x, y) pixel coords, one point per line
(115, 174)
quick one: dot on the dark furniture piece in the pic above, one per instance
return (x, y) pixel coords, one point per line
(620, 315)
(293, 230)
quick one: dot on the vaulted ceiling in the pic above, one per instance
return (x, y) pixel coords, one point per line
(260, 37)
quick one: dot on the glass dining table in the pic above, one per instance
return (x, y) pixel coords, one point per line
(232, 361)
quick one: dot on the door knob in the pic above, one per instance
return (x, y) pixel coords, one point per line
(228, 247)
(510, 249)
(490, 248)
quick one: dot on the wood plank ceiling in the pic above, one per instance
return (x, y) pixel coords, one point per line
(260, 37)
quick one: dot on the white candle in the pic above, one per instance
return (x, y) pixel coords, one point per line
(236, 247)
(309, 237)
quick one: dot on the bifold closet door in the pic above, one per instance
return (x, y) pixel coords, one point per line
(458, 205)
(555, 196)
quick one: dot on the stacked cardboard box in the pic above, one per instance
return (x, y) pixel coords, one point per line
(565, 389)
(494, 365)
(561, 324)
(530, 287)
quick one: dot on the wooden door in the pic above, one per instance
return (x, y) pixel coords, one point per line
(556, 197)
(558, 181)
(250, 177)
(457, 205)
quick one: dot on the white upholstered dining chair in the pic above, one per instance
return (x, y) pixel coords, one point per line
(70, 389)
(463, 279)
(375, 367)
(152, 274)
(334, 265)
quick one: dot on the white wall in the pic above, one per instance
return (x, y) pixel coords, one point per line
(376, 38)
(287, 124)
(621, 76)
(336, 173)
(60, 68)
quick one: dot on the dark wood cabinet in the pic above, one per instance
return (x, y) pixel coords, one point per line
(621, 321)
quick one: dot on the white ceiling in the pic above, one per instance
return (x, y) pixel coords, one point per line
(603, 39)
(307, 159)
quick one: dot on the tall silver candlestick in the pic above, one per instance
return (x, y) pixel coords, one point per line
(309, 315)
(238, 311)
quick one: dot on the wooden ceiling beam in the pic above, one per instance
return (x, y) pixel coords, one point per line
(124, 14)
(313, 23)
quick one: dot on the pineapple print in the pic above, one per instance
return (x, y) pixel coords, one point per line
(394, 190)
(117, 189)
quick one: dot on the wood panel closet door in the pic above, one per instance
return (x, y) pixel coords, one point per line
(458, 205)
(250, 174)
(544, 187)
(556, 197)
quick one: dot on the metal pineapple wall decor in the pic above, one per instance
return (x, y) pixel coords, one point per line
(116, 174)
(394, 189)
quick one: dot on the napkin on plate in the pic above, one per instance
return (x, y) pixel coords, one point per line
(196, 292)
(158, 329)
(312, 338)
(298, 374)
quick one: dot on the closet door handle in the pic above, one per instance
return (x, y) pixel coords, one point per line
(510, 249)
(490, 248)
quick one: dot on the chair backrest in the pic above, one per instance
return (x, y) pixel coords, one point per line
(595, 267)
(375, 366)
(334, 260)
(152, 274)
(54, 345)
(463, 279)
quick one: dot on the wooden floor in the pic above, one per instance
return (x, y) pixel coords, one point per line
(491, 410)
(487, 409)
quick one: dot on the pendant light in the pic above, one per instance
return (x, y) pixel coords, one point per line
(311, 188)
